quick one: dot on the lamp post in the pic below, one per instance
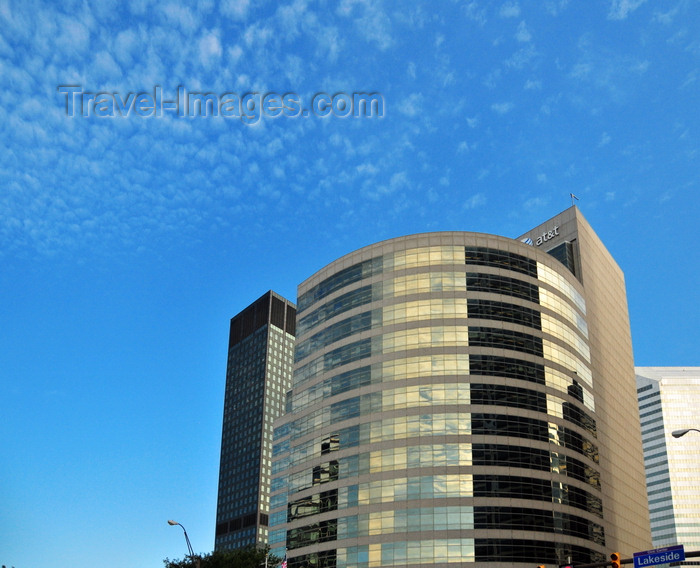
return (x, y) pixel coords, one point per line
(187, 539)
(679, 433)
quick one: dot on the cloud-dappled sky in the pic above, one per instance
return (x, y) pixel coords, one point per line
(127, 243)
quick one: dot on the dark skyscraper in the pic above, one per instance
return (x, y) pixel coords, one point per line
(258, 374)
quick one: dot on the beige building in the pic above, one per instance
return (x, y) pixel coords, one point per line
(462, 398)
(669, 401)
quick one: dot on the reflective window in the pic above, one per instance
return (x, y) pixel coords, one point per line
(403, 368)
(335, 307)
(445, 518)
(502, 285)
(556, 328)
(549, 299)
(564, 253)
(505, 339)
(425, 256)
(438, 394)
(533, 552)
(558, 354)
(335, 358)
(434, 455)
(546, 274)
(336, 332)
(428, 309)
(561, 381)
(445, 486)
(484, 256)
(493, 366)
(523, 519)
(514, 487)
(501, 311)
(502, 425)
(340, 279)
(440, 424)
(432, 281)
(433, 337)
(502, 395)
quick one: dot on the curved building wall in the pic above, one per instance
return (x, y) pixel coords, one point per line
(442, 411)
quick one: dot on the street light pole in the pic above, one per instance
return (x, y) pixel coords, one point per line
(679, 433)
(187, 539)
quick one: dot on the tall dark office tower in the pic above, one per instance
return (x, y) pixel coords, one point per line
(462, 398)
(258, 374)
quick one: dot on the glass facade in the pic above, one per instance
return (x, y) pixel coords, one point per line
(442, 411)
(669, 398)
(258, 375)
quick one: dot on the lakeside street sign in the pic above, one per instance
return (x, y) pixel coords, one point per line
(659, 556)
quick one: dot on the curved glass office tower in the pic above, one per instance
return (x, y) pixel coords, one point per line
(443, 410)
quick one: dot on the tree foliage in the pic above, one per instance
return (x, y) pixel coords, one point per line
(249, 557)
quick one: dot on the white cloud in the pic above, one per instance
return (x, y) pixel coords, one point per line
(620, 9)
(554, 7)
(209, 48)
(475, 13)
(536, 203)
(74, 38)
(235, 9)
(640, 67)
(139, 7)
(502, 108)
(411, 70)
(372, 21)
(412, 105)
(521, 57)
(125, 45)
(329, 43)
(492, 79)
(294, 17)
(368, 169)
(106, 70)
(523, 34)
(257, 35)
(182, 17)
(398, 181)
(581, 70)
(294, 69)
(604, 140)
(234, 53)
(666, 18)
(509, 10)
(474, 201)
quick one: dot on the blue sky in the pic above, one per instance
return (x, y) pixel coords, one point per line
(127, 243)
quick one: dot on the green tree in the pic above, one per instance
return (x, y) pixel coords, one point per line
(249, 557)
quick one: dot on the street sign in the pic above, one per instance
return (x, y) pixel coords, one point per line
(659, 556)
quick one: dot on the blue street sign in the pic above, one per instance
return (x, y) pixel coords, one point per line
(659, 556)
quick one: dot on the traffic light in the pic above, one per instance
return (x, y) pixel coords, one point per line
(616, 561)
